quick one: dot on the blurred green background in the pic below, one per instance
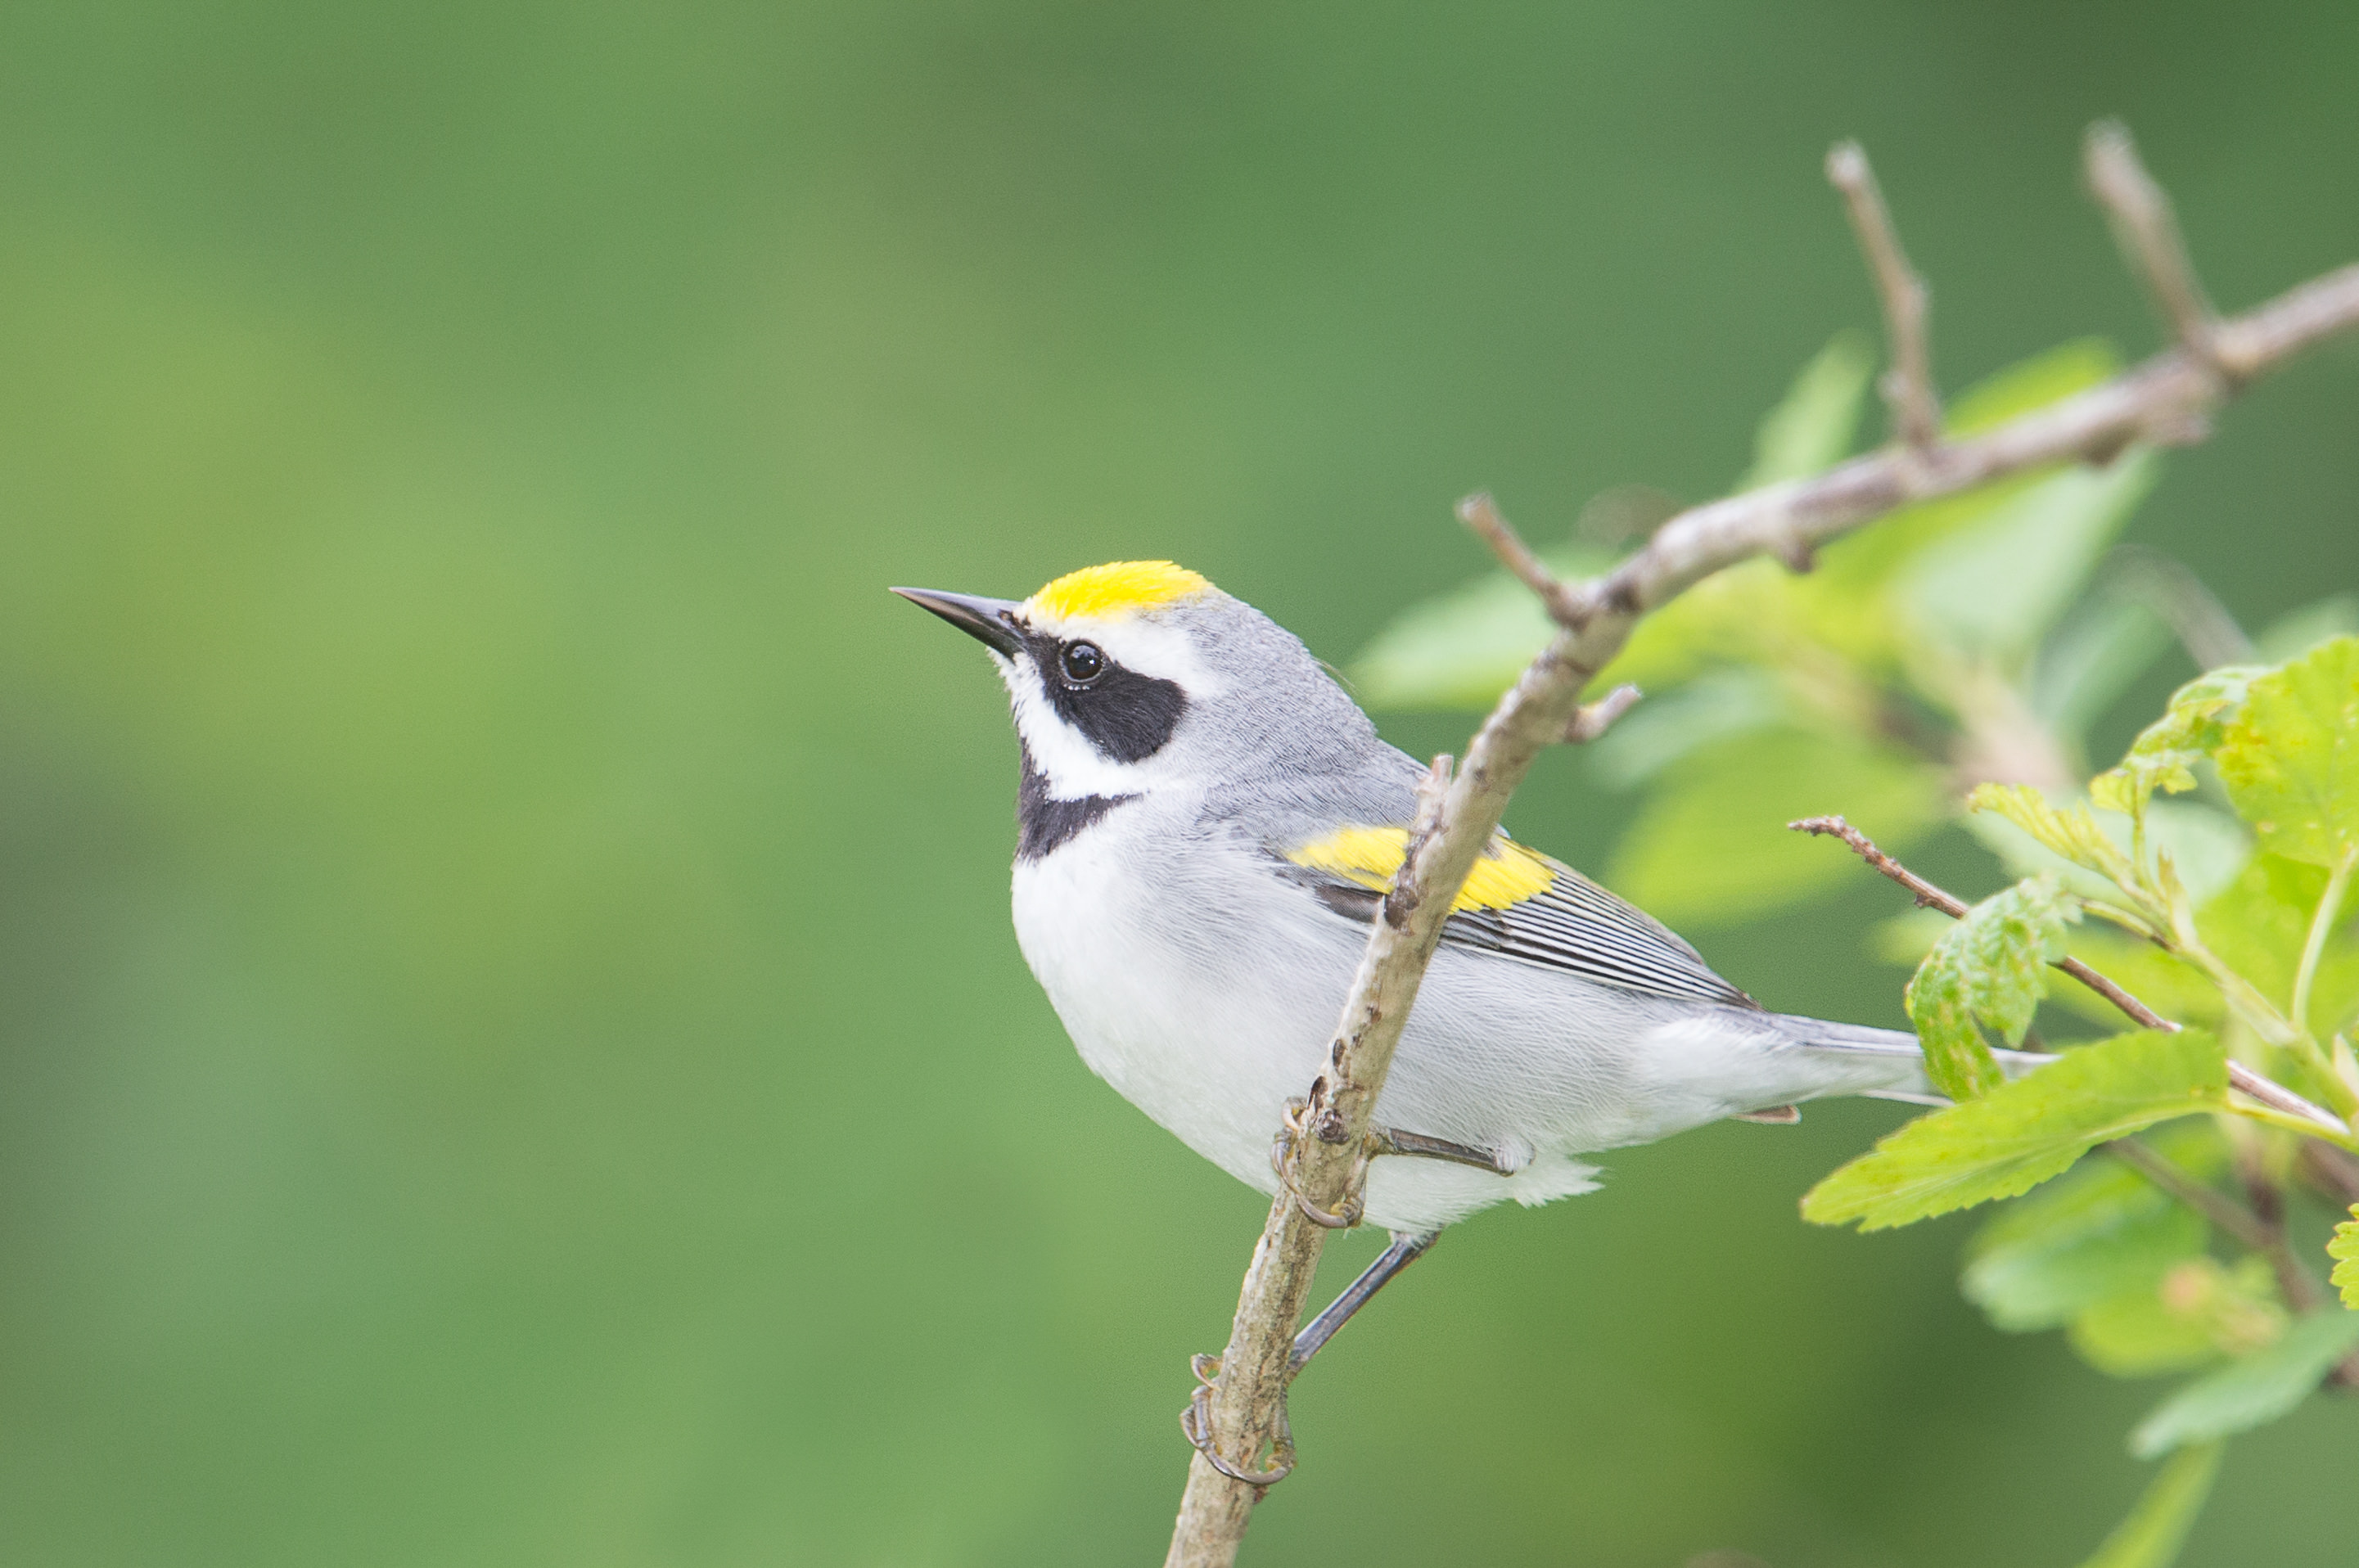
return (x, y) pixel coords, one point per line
(513, 1048)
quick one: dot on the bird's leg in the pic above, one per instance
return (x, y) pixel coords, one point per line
(1394, 1141)
(1406, 1249)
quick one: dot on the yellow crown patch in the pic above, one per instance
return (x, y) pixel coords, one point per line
(1118, 588)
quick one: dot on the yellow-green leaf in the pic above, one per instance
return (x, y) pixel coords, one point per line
(2344, 1250)
(1710, 846)
(1813, 425)
(2101, 1232)
(2290, 755)
(2163, 756)
(1990, 968)
(2252, 1392)
(2021, 1133)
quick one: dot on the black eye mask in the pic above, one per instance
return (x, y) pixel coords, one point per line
(1129, 717)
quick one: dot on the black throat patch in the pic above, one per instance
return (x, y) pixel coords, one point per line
(1042, 823)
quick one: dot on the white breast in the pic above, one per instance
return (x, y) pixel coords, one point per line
(1198, 984)
(1205, 990)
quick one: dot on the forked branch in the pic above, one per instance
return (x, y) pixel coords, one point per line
(2168, 397)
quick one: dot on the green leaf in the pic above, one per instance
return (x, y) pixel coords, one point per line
(2252, 1391)
(2046, 377)
(1992, 966)
(1813, 427)
(2344, 1250)
(1710, 845)
(1989, 591)
(2136, 1335)
(2021, 1133)
(2258, 924)
(1463, 648)
(2102, 1231)
(2164, 755)
(2073, 834)
(2198, 1310)
(2207, 846)
(2290, 755)
(2157, 1525)
(1663, 729)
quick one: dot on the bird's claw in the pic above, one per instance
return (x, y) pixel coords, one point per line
(1196, 1422)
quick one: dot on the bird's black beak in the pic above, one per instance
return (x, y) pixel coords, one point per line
(994, 622)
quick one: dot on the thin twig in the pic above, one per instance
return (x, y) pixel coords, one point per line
(1908, 387)
(2240, 1077)
(1482, 513)
(2171, 392)
(2147, 232)
(1594, 719)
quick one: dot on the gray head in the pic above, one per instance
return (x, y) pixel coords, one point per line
(1141, 675)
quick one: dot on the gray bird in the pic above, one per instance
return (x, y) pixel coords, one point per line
(1206, 822)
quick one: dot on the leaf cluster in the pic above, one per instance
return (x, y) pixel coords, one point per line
(2125, 1256)
(1947, 667)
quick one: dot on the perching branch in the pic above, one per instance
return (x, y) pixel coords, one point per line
(2268, 1091)
(2168, 398)
(1908, 387)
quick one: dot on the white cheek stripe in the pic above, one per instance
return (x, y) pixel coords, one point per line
(1074, 768)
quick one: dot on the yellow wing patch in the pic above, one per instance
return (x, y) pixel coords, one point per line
(1118, 588)
(1506, 875)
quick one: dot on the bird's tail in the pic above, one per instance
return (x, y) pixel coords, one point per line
(1883, 1064)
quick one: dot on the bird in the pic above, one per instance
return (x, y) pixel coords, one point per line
(1206, 822)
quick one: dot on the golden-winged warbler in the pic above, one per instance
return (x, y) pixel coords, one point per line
(1205, 824)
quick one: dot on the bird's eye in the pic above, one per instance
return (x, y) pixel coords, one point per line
(1083, 663)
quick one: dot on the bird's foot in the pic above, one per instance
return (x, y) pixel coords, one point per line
(1196, 1422)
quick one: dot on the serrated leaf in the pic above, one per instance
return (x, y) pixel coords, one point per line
(2208, 846)
(2100, 1232)
(2164, 755)
(2156, 1526)
(2073, 833)
(2252, 1392)
(1710, 845)
(1813, 425)
(2344, 1250)
(2024, 1132)
(1991, 968)
(2290, 755)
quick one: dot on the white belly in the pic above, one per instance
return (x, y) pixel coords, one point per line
(1139, 961)
(1206, 991)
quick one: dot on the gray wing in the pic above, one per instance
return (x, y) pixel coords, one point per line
(1575, 926)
